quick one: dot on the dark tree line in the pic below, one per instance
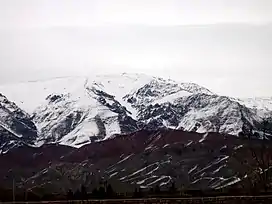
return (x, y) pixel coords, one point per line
(103, 192)
(107, 192)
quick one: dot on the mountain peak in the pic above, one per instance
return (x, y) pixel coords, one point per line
(76, 111)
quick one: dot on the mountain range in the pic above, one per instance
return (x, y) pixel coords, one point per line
(76, 111)
(129, 130)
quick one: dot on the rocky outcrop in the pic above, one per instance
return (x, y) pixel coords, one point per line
(16, 126)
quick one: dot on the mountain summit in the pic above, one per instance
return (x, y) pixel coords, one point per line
(76, 111)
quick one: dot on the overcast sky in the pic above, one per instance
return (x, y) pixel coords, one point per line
(224, 45)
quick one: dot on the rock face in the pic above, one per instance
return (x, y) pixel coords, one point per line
(76, 111)
(16, 126)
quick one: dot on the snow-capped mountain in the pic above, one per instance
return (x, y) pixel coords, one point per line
(16, 126)
(262, 106)
(79, 118)
(78, 110)
(193, 110)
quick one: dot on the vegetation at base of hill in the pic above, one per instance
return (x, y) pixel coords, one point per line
(258, 163)
(107, 192)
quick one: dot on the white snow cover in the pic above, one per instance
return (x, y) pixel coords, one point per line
(204, 137)
(172, 97)
(264, 103)
(77, 140)
(75, 98)
(200, 118)
(30, 95)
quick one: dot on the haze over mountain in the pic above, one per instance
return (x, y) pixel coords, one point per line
(230, 59)
(224, 44)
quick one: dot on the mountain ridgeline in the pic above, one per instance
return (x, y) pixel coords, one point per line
(76, 111)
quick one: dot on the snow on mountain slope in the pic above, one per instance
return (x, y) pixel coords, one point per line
(159, 90)
(16, 126)
(263, 106)
(119, 85)
(79, 110)
(79, 118)
(30, 95)
(200, 113)
(163, 103)
(171, 98)
(206, 113)
(74, 109)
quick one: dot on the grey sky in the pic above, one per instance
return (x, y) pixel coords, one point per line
(223, 45)
(152, 12)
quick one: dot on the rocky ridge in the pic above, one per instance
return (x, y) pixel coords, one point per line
(76, 111)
